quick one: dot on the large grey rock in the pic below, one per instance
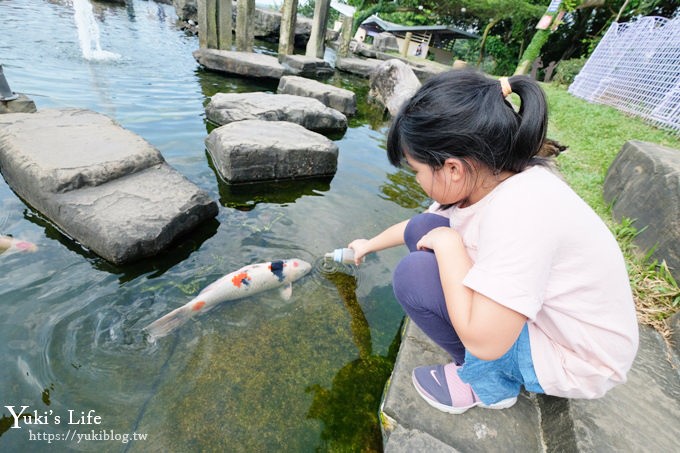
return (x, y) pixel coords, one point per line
(674, 325)
(255, 150)
(247, 64)
(513, 429)
(640, 415)
(186, 9)
(643, 183)
(22, 104)
(225, 108)
(267, 24)
(331, 96)
(392, 83)
(359, 66)
(385, 42)
(305, 66)
(403, 440)
(101, 184)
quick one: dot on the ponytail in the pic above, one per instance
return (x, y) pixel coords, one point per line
(463, 113)
(533, 114)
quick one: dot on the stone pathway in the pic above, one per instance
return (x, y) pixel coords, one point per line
(102, 185)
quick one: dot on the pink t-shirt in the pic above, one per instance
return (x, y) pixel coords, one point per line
(540, 250)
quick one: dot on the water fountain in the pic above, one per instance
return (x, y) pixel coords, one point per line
(88, 32)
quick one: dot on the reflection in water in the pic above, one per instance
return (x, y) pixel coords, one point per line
(357, 387)
(403, 189)
(177, 252)
(245, 197)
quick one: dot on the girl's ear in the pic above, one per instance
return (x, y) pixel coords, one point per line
(455, 167)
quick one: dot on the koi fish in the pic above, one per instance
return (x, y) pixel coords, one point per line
(244, 282)
(8, 243)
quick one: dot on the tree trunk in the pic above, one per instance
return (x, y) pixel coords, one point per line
(487, 29)
(533, 50)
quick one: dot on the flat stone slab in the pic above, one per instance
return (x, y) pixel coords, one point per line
(101, 184)
(225, 108)
(331, 96)
(359, 66)
(248, 64)
(478, 430)
(305, 66)
(641, 415)
(256, 150)
(643, 183)
(22, 104)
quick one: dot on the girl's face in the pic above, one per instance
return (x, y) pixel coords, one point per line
(444, 185)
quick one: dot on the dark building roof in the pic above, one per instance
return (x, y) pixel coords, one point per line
(443, 32)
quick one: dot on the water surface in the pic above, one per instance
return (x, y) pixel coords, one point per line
(261, 374)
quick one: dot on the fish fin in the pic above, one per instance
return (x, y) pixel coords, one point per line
(163, 326)
(286, 291)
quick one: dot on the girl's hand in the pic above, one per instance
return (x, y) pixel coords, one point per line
(361, 249)
(443, 238)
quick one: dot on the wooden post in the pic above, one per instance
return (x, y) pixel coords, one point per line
(202, 16)
(287, 35)
(211, 24)
(346, 36)
(224, 27)
(245, 16)
(407, 43)
(315, 45)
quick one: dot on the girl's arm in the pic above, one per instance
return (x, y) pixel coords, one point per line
(391, 237)
(486, 328)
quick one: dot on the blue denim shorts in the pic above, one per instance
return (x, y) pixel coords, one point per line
(496, 380)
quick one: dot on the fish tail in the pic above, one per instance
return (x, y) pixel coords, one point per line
(163, 326)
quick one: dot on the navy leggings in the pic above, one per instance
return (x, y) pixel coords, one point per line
(418, 288)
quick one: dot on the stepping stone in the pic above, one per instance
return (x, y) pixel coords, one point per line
(256, 150)
(359, 66)
(334, 97)
(305, 66)
(247, 64)
(99, 183)
(225, 108)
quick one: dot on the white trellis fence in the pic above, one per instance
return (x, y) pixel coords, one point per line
(636, 68)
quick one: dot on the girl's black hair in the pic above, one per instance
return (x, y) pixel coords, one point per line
(462, 113)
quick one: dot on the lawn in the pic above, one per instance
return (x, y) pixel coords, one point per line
(595, 134)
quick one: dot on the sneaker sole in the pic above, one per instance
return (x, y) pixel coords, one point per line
(503, 404)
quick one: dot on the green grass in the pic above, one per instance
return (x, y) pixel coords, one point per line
(595, 134)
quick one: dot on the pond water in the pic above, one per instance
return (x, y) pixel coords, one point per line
(260, 374)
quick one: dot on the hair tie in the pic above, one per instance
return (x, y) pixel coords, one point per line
(505, 86)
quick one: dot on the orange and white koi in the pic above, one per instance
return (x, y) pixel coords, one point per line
(8, 243)
(244, 282)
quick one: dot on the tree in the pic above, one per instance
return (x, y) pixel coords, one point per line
(585, 23)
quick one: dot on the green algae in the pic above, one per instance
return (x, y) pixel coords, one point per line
(276, 384)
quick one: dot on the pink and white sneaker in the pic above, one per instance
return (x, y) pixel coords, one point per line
(443, 389)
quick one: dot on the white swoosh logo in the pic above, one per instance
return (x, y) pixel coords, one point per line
(434, 375)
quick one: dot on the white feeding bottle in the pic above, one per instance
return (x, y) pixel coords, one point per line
(345, 256)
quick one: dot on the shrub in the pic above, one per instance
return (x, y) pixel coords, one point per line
(567, 70)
